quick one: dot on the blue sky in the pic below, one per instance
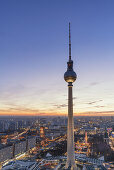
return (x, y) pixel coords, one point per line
(34, 52)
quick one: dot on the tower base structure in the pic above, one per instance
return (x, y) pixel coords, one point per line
(68, 166)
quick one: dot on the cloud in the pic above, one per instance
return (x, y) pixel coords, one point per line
(99, 106)
(19, 109)
(74, 98)
(94, 83)
(91, 103)
(60, 105)
(94, 102)
(88, 86)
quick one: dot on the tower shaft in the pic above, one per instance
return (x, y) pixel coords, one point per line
(70, 130)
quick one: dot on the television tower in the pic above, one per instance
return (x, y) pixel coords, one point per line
(70, 76)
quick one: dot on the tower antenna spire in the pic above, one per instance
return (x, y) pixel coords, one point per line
(69, 43)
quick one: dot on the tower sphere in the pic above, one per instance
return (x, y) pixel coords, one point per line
(70, 76)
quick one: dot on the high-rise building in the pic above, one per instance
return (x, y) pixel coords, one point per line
(106, 138)
(42, 133)
(86, 139)
(70, 76)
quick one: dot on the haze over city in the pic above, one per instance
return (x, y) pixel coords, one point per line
(34, 52)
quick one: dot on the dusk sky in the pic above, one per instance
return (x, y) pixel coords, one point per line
(34, 55)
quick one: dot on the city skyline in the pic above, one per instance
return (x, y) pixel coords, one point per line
(34, 39)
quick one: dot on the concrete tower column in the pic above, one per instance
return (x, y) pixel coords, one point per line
(70, 129)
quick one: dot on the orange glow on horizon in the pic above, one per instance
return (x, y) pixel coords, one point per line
(106, 113)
